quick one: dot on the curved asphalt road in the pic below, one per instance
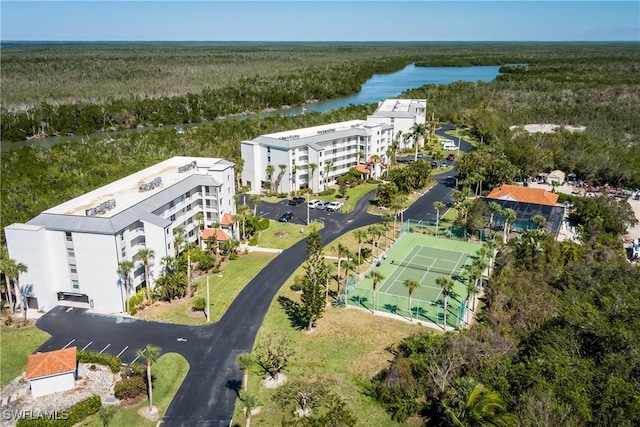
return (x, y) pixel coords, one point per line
(208, 393)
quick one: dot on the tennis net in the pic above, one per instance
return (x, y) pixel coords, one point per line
(427, 268)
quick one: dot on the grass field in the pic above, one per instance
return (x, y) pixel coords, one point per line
(222, 290)
(168, 373)
(16, 344)
(347, 347)
(282, 235)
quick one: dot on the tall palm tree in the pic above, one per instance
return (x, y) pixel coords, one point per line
(124, 270)
(150, 354)
(241, 214)
(294, 178)
(178, 240)
(250, 404)
(328, 167)
(145, 255)
(438, 206)
(376, 277)
(411, 285)
(417, 131)
(386, 219)
(245, 360)
(538, 220)
(199, 220)
(312, 168)
(348, 266)
(283, 169)
(269, 171)
(494, 209)
(360, 235)
(7, 266)
(343, 252)
(509, 216)
(18, 269)
(447, 286)
(255, 199)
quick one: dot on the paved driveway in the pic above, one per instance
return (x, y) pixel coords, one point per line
(208, 393)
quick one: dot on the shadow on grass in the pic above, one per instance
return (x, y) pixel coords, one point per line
(234, 385)
(292, 310)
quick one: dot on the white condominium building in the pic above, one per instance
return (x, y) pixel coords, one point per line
(73, 250)
(314, 157)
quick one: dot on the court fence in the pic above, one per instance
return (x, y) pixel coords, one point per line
(441, 229)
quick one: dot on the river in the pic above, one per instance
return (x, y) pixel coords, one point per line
(377, 88)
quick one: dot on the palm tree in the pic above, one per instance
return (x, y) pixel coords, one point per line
(447, 286)
(178, 240)
(283, 169)
(328, 167)
(343, 252)
(348, 266)
(150, 354)
(495, 209)
(509, 216)
(269, 170)
(417, 131)
(255, 199)
(376, 278)
(245, 360)
(480, 406)
(146, 255)
(386, 219)
(124, 270)
(250, 404)
(312, 168)
(18, 268)
(241, 214)
(360, 235)
(411, 285)
(199, 220)
(438, 206)
(538, 220)
(294, 171)
(7, 265)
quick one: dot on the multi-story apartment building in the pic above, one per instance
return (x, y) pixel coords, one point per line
(73, 250)
(314, 157)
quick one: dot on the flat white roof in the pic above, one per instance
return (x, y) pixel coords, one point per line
(316, 130)
(137, 187)
(400, 108)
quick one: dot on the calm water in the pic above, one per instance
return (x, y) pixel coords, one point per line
(377, 88)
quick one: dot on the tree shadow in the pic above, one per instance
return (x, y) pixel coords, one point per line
(360, 300)
(391, 308)
(234, 385)
(292, 310)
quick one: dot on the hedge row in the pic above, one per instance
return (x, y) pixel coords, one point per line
(67, 418)
(113, 362)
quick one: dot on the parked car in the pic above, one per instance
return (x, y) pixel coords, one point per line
(444, 164)
(451, 157)
(285, 216)
(420, 155)
(334, 206)
(321, 204)
(434, 163)
(294, 201)
(313, 203)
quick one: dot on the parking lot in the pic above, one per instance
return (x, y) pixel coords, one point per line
(274, 210)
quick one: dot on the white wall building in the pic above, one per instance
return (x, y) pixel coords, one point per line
(333, 148)
(72, 251)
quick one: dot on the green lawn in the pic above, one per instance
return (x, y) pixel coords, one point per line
(168, 373)
(355, 194)
(222, 291)
(15, 347)
(282, 235)
(348, 348)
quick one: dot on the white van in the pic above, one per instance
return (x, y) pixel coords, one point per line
(449, 145)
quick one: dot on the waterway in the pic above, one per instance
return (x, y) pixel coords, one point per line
(378, 88)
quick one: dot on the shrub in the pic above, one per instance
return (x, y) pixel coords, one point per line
(253, 241)
(136, 301)
(327, 192)
(264, 224)
(113, 362)
(206, 262)
(66, 418)
(130, 387)
(199, 304)
(233, 256)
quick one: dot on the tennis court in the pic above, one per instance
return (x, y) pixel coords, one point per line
(422, 258)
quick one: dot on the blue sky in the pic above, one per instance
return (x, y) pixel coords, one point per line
(477, 20)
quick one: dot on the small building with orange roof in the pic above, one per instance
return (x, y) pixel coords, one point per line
(52, 372)
(518, 193)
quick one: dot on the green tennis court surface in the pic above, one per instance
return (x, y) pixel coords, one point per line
(422, 258)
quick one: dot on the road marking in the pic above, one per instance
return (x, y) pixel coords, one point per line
(105, 347)
(69, 309)
(85, 347)
(181, 339)
(138, 356)
(123, 350)
(69, 343)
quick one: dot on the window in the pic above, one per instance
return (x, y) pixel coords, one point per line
(191, 233)
(122, 236)
(73, 269)
(172, 217)
(167, 231)
(75, 284)
(269, 159)
(188, 194)
(188, 207)
(68, 236)
(71, 253)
